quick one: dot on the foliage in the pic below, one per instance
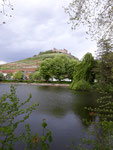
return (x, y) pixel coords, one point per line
(82, 85)
(35, 141)
(10, 109)
(84, 72)
(8, 76)
(105, 56)
(97, 15)
(59, 67)
(1, 76)
(100, 134)
(18, 76)
(60, 64)
(31, 76)
(46, 69)
(36, 76)
(12, 115)
(71, 67)
(99, 138)
(104, 109)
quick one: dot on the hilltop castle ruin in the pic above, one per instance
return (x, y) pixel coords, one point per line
(60, 50)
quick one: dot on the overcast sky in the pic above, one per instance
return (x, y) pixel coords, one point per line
(39, 25)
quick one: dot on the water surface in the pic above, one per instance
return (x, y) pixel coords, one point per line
(62, 108)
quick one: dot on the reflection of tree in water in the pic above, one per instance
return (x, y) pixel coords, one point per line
(59, 101)
(58, 111)
(84, 99)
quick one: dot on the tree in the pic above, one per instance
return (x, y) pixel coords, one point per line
(71, 67)
(1, 76)
(8, 76)
(36, 76)
(84, 72)
(105, 56)
(46, 70)
(60, 67)
(31, 76)
(18, 76)
(60, 64)
(96, 14)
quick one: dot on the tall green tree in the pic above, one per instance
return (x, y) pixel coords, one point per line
(105, 58)
(84, 71)
(60, 64)
(59, 67)
(46, 69)
(71, 68)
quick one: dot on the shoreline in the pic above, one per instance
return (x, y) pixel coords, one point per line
(42, 84)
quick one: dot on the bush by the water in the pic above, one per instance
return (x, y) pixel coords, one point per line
(12, 114)
(81, 85)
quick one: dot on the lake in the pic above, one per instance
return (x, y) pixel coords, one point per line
(62, 108)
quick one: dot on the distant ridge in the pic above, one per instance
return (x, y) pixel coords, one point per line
(29, 65)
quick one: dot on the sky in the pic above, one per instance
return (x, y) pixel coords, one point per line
(38, 25)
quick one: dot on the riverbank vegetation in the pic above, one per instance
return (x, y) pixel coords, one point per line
(97, 16)
(13, 112)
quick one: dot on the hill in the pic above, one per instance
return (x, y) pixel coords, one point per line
(30, 64)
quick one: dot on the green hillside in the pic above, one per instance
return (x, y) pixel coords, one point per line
(33, 62)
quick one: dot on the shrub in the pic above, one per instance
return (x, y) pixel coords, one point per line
(36, 76)
(18, 76)
(81, 85)
(12, 114)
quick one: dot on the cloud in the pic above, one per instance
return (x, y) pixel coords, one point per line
(37, 26)
(2, 62)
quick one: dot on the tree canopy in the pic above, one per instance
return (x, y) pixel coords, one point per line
(84, 72)
(60, 64)
(18, 76)
(96, 14)
(60, 67)
(46, 69)
(105, 57)
(36, 76)
(8, 76)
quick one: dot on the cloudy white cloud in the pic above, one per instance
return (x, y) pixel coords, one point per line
(39, 25)
(2, 62)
